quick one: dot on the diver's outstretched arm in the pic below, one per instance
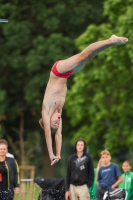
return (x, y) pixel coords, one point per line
(58, 139)
(47, 132)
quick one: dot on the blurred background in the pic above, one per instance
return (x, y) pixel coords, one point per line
(99, 103)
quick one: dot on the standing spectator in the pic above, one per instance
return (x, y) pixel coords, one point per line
(127, 177)
(9, 174)
(80, 173)
(109, 176)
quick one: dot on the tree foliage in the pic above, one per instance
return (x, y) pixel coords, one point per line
(38, 33)
(99, 103)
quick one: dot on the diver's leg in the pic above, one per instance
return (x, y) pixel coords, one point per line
(77, 62)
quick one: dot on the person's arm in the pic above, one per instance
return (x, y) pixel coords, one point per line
(118, 175)
(117, 182)
(91, 172)
(17, 177)
(47, 132)
(58, 140)
(68, 174)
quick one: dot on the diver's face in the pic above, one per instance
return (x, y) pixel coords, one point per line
(55, 121)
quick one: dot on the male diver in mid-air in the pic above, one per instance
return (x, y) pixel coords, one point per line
(54, 97)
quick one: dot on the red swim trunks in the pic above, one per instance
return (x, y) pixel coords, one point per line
(56, 73)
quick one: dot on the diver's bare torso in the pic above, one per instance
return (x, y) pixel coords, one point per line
(54, 97)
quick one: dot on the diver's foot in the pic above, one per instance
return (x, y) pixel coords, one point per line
(55, 160)
(118, 40)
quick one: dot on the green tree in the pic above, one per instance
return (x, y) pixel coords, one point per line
(38, 34)
(99, 103)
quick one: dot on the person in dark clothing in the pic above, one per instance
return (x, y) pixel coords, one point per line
(9, 174)
(80, 173)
